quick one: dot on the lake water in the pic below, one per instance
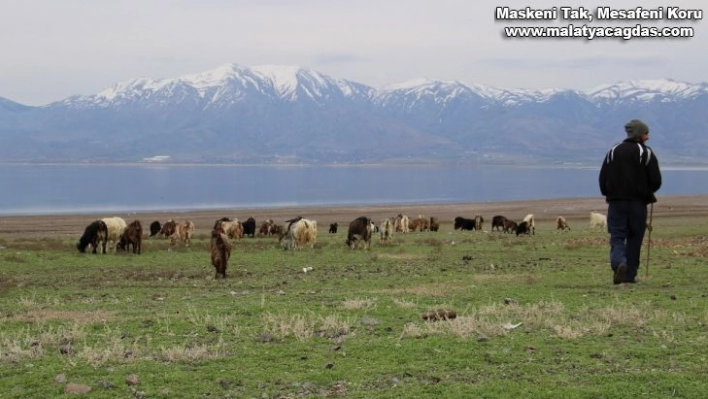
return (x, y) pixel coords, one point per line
(69, 189)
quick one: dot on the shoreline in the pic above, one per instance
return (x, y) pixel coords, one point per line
(539, 164)
(575, 210)
(274, 207)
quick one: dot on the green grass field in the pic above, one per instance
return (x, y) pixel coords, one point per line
(537, 317)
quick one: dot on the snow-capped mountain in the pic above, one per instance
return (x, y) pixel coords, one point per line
(274, 113)
(665, 90)
(227, 84)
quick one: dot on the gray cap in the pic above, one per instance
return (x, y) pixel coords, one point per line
(635, 129)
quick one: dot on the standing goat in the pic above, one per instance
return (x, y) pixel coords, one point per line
(220, 252)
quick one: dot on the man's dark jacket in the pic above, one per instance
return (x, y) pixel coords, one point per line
(630, 172)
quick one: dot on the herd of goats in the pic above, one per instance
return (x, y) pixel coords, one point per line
(298, 233)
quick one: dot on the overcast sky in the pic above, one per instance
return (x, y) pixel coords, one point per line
(51, 49)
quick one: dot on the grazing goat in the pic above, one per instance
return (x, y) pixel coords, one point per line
(132, 235)
(420, 223)
(598, 221)
(95, 234)
(155, 228)
(184, 233)
(434, 223)
(464, 223)
(232, 228)
(266, 228)
(562, 224)
(401, 224)
(116, 226)
(412, 224)
(498, 222)
(333, 228)
(523, 228)
(168, 228)
(291, 221)
(298, 234)
(529, 219)
(478, 222)
(510, 226)
(277, 230)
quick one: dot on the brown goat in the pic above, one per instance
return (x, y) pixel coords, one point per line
(434, 223)
(220, 252)
(413, 224)
(277, 229)
(232, 228)
(478, 222)
(423, 224)
(184, 233)
(168, 228)
(509, 226)
(266, 228)
(132, 235)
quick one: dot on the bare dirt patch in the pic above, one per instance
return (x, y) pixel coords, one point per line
(575, 210)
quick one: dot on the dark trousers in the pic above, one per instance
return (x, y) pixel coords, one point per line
(626, 223)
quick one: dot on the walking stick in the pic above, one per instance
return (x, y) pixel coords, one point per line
(651, 216)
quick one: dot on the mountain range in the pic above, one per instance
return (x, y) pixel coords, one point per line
(290, 114)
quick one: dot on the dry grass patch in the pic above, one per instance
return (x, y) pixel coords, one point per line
(385, 244)
(615, 315)
(515, 242)
(113, 351)
(222, 323)
(508, 278)
(32, 302)
(304, 326)
(151, 274)
(576, 243)
(569, 332)
(282, 326)
(400, 256)
(434, 290)
(461, 327)
(700, 252)
(431, 242)
(403, 304)
(357, 304)
(678, 242)
(498, 320)
(192, 353)
(32, 343)
(334, 326)
(13, 350)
